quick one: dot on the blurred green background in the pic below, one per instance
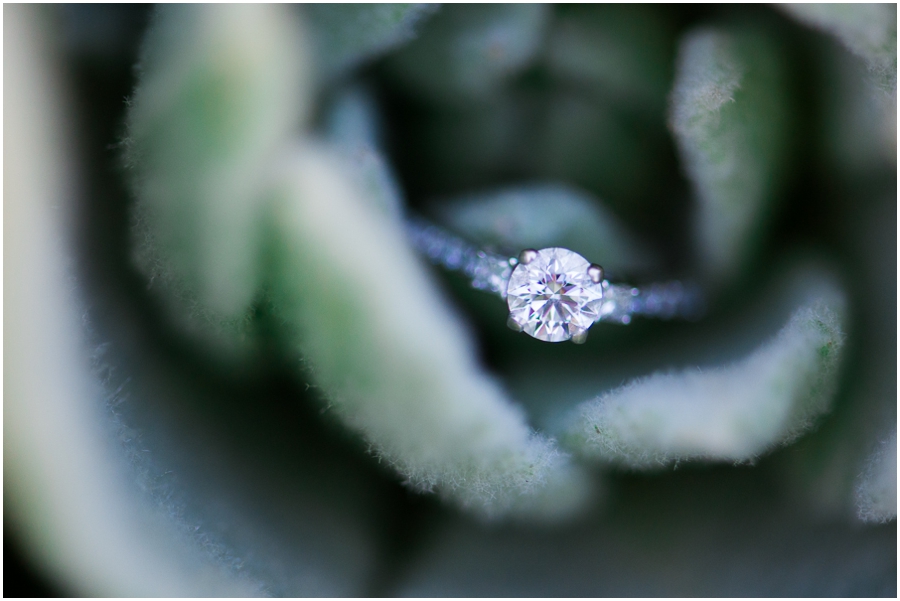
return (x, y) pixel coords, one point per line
(261, 479)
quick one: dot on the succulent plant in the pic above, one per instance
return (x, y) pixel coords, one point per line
(229, 371)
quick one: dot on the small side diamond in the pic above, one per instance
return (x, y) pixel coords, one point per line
(618, 303)
(491, 273)
(486, 271)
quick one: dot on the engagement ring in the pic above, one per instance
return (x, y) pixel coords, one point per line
(553, 294)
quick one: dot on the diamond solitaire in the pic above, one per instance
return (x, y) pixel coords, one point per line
(554, 294)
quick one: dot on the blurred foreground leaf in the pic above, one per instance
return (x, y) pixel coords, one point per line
(220, 91)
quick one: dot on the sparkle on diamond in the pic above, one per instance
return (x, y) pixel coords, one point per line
(553, 298)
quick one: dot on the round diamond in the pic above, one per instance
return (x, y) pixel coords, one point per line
(552, 297)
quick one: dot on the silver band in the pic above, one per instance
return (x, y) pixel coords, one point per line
(486, 271)
(491, 272)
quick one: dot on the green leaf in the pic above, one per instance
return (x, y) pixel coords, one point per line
(542, 215)
(836, 474)
(347, 35)
(867, 30)
(354, 128)
(731, 413)
(221, 90)
(859, 126)
(391, 356)
(729, 114)
(876, 489)
(67, 498)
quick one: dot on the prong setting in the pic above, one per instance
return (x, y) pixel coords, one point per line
(513, 325)
(527, 256)
(595, 272)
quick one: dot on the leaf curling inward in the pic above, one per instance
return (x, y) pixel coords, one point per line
(729, 114)
(733, 413)
(394, 362)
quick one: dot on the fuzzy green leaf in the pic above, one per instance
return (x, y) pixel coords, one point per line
(867, 30)
(732, 413)
(833, 472)
(876, 490)
(545, 215)
(65, 496)
(221, 89)
(860, 126)
(346, 35)
(395, 364)
(730, 117)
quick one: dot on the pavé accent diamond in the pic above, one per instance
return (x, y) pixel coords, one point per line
(552, 297)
